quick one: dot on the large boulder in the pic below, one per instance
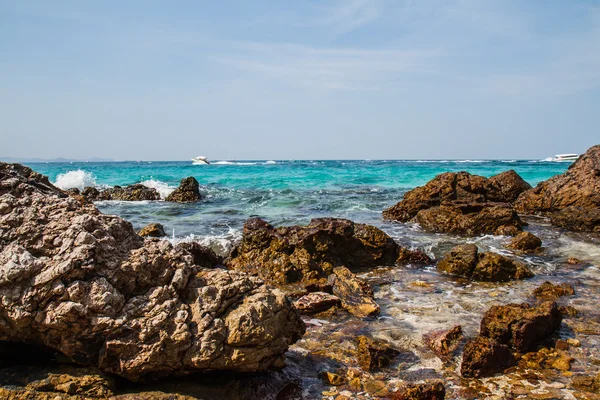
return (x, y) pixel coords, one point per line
(484, 357)
(525, 242)
(577, 189)
(188, 191)
(85, 284)
(462, 203)
(466, 261)
(137, 192)
(303, 253)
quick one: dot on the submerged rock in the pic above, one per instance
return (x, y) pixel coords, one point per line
(461, 203)
(428, 390)
(152, 230)
(305, 253)
(525, 241)
(485, 357)
(316, 302)
(444, 342)
(356, 296)
(374, 354)
(466, 261)
(577, 192)
(86, 285)
(188, 191)
(550, 291)
(521, 326)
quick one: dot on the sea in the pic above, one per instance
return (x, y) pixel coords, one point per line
(414, 300)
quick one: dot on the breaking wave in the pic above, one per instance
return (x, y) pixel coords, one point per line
(75, 179)
(161, 187)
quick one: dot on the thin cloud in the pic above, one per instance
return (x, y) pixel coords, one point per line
(349, 15)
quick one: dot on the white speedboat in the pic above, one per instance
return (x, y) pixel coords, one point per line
(200, 160)
(565, 158)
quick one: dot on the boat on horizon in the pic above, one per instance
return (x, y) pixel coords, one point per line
(568, 157)
(200, 160)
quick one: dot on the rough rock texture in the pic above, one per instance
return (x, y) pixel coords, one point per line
(374, 354)
(444, 342)
(470, 219)
(521, 326)
(152, 230)
(577, 189)
(188, 191)
(469, 193)
(549, 291)
(203, 256)
(466, 261)
(484, 357)
(588, 383)
(137, 192)
(316, 302)
(303, 253)
(356, 296)
(428, 390)
(525, 241)
(85, 284)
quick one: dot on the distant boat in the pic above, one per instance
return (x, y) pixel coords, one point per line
(564, 158)
(200, 160)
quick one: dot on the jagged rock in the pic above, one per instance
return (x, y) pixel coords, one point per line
(86, 285)
(578, 189)
(460, 187)
(188, 191)
(577, 219)
(355, 295)
(305, 253)
(467, 262)
(444, 342)
(428, 390)
(521, 326)
(318, 286)
(332, 378)
(137, 192)
(91, 193)
(316, 302)
(374, 354)
(406, 256)
(484, 357)
(525, 241)
(152, 230)
(203, 256)
(588, 383)
(469, 219)
(549, 291)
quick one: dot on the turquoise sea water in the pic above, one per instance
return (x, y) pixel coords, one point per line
(282, 192)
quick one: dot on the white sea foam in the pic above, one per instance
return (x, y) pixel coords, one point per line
(234, 163)
(220, 244)
(75, 179)
(161, 187)
(271, 162)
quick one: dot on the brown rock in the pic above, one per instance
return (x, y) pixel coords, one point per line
(549, 291)
(465, 261)
(428, 390)
(573, 261)
(469, 219)
(355, 295)
(588, 383)
(418, 257)
(375, 388)
(188, 191)
(316, 302)
(444, 342)
(202, 255)
(152, 230)
(306, 253)
(509, 185)
(520, 326)
(332, 378)
(577, 189)
(484, 357)
(137, 192)
(86, 285)
(374, 354)
(525, 241)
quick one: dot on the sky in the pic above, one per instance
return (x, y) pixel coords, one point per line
(327, 79)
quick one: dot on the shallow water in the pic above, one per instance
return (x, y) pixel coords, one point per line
(413, 300)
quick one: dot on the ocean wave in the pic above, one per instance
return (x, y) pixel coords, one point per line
(270, 162)
(220, 244)
(161, 187)
(75, 179)
(234, 163)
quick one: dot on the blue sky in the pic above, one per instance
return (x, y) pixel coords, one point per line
(299, 79)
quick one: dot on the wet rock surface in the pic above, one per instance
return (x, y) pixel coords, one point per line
(572, 198)
(444, 342)
(356, 296)
(137, 192)
(525, 242)
(461, 203)
(485, 357)
(552, 292)
(466, 261)
(187, 192)
(374, 354)
(86, 285)
(316, 302)
(152, 230)
(202, 255)
(304, 253)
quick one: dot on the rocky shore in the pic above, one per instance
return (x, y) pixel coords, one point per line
(92, 309)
